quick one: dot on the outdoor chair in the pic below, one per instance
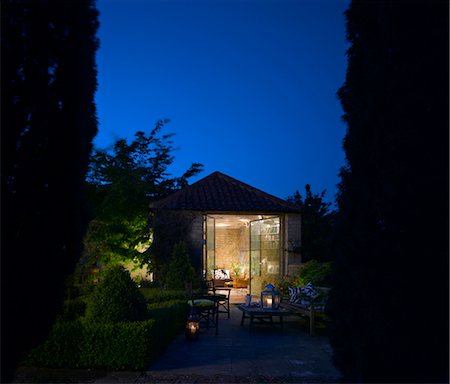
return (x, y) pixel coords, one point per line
(223, 296)
(206, 307)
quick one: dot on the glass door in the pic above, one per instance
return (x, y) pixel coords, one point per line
(264, 253)
(209, 247)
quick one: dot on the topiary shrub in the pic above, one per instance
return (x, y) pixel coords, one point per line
(180, 268)
(116, 299)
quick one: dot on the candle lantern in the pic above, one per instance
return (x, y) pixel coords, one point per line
(192, 326)
(270, 299)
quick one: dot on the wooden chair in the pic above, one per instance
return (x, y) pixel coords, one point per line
(206, 307)
(223, 295)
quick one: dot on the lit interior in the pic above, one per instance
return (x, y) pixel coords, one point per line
(246, 247)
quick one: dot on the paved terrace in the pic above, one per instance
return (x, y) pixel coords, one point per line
(250, 354)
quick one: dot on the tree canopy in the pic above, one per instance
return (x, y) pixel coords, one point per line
(390, 248)
(122, 183)
(317, 224)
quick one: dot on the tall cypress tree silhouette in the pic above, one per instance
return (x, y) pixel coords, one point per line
(48, 123)
(389, 302)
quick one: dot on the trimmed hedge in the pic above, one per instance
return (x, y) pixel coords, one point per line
(172, 315)
(160, 295)
(79, 344)
(117, 346)
(62, 347)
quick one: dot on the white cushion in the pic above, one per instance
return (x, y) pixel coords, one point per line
(221, 274)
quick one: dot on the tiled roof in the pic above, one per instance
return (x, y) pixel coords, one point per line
(219, 193)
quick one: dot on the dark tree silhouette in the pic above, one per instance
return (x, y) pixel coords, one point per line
(389, 302)
(48, 121)
(317, 224)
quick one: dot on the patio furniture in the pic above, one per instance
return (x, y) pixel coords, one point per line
(223, 295)
(255, 313)
(206, 307)
(311, 309)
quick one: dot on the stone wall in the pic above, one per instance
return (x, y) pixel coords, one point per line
(227, 248)
(232, 250)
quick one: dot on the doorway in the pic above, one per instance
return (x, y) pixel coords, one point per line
(243, 250)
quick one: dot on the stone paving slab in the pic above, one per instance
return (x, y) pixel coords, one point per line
(238, 354)
(245, 353)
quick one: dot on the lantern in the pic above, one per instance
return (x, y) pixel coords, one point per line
(192, 326)
(270, 299)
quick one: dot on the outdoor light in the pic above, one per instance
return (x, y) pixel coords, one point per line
(270, 299)
(192, 326)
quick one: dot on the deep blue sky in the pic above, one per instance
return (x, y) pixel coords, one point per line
(249, 85)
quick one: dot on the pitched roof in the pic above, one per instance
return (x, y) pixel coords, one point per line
(219, 193)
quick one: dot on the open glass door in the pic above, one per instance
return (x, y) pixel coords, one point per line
(264, 253)
(209, 250)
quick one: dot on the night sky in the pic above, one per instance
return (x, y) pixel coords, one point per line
(249, 85)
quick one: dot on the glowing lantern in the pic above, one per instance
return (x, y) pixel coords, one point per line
(192, 326)
(270, 299)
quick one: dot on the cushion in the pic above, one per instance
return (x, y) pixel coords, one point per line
(310, 292)
(221, 274)
(303, 295)
(295, 294)
(201, 303)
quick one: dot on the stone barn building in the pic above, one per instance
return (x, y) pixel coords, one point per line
(236, 234)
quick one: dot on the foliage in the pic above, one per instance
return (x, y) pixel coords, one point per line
(48, 122)
(170, 317)
(62, 348)
(122, 183)
(171, 227)
(116, 298)
(80, 344)
(180, 270)
(159, 295)
(390, 249)
(312, 271)
(119, 346)
(316, 273)
(237, 268)
(72, 309)
(122, 345)
(317, 224)
(282, 284)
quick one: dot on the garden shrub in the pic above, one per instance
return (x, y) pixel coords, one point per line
(62, 347)
(117, 346)
(316, 273)
(170, 316)
(281, 284)
(80, 344)
(72, 309)
(180, 268)
(116, 299)
(159, 295)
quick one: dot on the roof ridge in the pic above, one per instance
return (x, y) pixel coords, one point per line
(254, 189)
(218, 191)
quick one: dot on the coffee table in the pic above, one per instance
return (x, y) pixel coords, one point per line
(260, 315)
